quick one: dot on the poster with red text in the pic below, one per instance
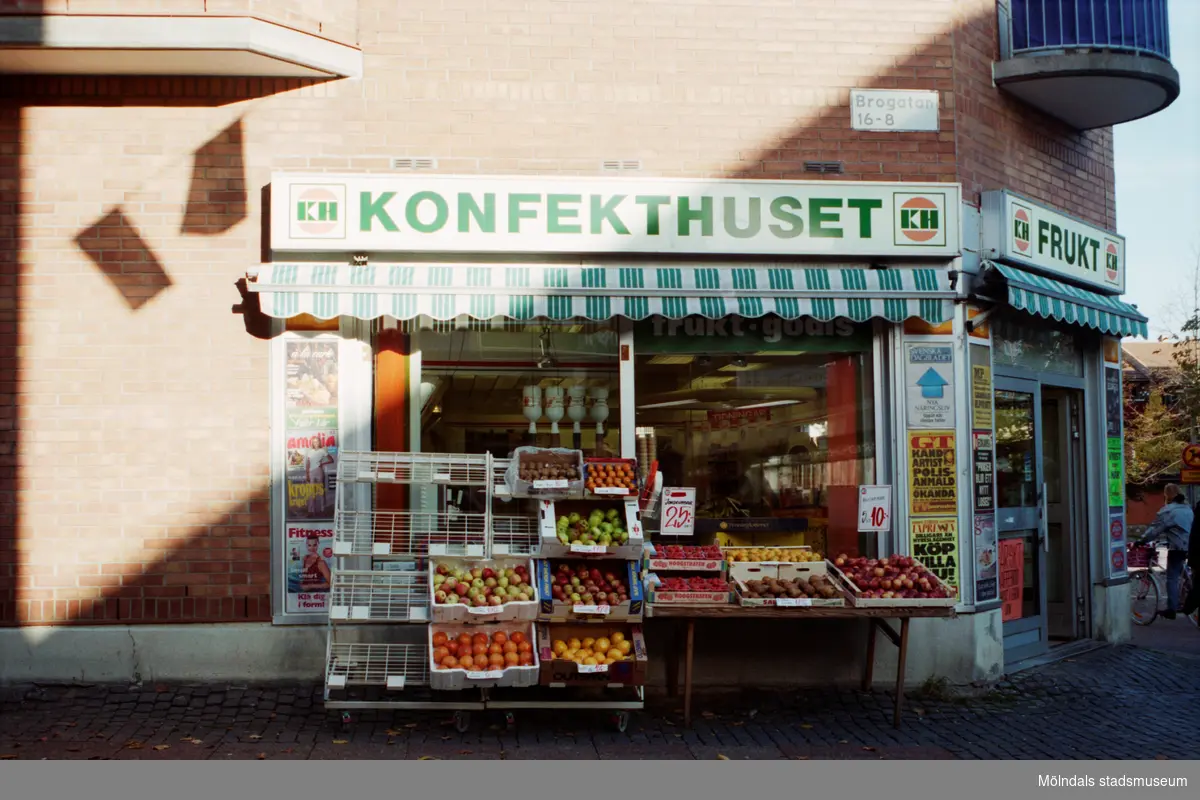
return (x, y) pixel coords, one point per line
(308, 555)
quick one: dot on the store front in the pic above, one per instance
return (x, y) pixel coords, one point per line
(1057, 395)
(775, 346)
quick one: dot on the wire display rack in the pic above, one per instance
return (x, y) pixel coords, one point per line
(379, 596)
(388, 599)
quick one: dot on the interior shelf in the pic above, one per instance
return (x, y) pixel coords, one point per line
(393, 666)
(364, 596)
(408, 533)
(414, 468)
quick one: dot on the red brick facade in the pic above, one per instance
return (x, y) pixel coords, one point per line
(133, 401)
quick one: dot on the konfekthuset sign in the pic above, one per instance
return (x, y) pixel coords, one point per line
(491, 214)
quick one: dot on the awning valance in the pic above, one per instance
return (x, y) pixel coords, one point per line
(1051, 299)
(533, 291)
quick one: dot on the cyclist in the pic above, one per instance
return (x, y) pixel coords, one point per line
(1173, 523)
(1191, 604)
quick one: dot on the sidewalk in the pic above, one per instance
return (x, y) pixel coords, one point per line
(1080, 708)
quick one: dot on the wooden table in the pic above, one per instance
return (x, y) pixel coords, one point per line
(877, 616)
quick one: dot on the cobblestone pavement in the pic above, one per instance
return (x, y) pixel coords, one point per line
(1074, 709)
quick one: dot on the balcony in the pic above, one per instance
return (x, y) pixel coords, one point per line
(1088, 63)
(260, 39)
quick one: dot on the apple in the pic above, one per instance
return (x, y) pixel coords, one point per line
(502, 582)
(439, 596)
(516, 580)
(450, 583)
(452, 599)
(523, 598)
(488, 573)
(461, 589)
(441, 570)
(576, 598)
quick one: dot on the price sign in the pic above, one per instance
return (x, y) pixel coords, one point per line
(874, 508)
(678, 511)
(584, 669)
(487, 610)
(594, 549)
(793, 602)
(581, 609)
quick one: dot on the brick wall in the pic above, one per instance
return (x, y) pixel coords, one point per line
(1004, 144)
(333, 19)
(141, 398)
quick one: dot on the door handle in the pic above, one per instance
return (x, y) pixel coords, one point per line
(1043, 523)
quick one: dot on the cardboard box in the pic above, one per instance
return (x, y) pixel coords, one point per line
(551, 547)
(655, 597)
(658, 563)
(854, 598)
(453, 680)
(550, 610)
(509, 611)
(798, 603)
(558, 672)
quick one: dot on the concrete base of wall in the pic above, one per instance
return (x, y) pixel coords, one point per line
(1110, 608)
(750, 653)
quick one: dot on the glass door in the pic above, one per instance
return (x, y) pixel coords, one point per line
(1020, 517)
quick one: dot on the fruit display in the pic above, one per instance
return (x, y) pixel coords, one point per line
(594, 651)
(611, 476)
(495, 655)
(899, 579)
(463, 588)
(698, 590)
(693, 584)
(813, 589)
(693, 558)
(535, 470)
(600, 527)
(581, 584)
(787, 555)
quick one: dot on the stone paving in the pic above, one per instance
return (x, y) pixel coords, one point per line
(1121, 702)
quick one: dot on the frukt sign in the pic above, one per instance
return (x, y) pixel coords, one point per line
(1021, 232)
(320, 212)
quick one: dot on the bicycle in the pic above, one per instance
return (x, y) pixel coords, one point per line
(1148, 582)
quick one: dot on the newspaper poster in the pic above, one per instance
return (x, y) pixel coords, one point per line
(311, 474)
(312, 374)
(934, 542)
(932, 478)
(1012, 578)
(929, 385)
(987, 558)
(308, 551)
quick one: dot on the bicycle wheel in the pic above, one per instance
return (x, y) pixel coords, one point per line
(1143, 597)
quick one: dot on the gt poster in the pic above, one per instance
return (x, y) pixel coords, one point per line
(307, 556)
(934, 542)
(932, 479)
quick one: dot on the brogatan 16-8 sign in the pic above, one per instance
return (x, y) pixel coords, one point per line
(490, 214)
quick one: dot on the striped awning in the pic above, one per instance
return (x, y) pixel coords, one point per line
(541, 291)
(1051, 299)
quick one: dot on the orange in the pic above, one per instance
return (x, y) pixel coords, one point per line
(466, 662)
(499, 637)
(624, 647)
(496, 660)
(617, 637)
(517, 637)
(510, 647)
(524, 647)
(560, 647)
(614, 655)
(511, 659)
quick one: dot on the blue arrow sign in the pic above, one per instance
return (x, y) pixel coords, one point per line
(932, 384)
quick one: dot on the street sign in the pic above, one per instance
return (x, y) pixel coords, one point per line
(1190, 474)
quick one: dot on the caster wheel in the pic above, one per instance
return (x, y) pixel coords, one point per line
(346, 718)
(510, 721)
(462, 721)
(620, 720)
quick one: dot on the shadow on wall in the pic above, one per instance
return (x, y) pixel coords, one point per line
(179, 584)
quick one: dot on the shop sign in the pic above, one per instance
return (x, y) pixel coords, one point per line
(678, 511)
(738, 418)
(981, 396)
(1116, 472)
(308, 557)
(893, 110)
(983, 472)
(1190, 474)
(935, 543)
(1032, 235)
(987, 558)
(1012, 578)
(742, 335)
(874, 509)
(929, 385)
(494, 214)
(932, 480)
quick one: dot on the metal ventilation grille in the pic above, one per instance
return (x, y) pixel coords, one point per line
(825, 167)
(620, 166)
(414, 162)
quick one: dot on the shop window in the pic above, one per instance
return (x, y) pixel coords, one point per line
(1033, 347)
(771, 420)
(475, 384)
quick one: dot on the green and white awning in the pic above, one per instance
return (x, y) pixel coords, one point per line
(557, 292)
(1051, 299)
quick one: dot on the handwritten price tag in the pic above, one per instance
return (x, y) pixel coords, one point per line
(586, 668)
(874, 508)
(591, 609)
(485, 610)
(610, 490)
(678, 511)
(588, 548)
(558, 484)
(490, 675)
(794, 602)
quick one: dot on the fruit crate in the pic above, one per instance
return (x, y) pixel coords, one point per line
(626, 508)
(413, 468)
(553, 610)
(560, 458)
(743, 599)
(854, 594)
(382, 534)
(393, 666)
(655, 595)
(663, 558)
(593, 469)
(450, 680)
(507, 612)
(560, 672)
(379, 596)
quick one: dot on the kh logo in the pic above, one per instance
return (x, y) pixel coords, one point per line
(318, 212)
(1021, 230)
(1111, 261)
(920, 220)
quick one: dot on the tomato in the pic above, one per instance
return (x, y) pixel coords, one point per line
(466, 662)
(439, 639)
(479, 650)
(517, 637)
(496, 661)
(511, 659)
(439, 654)
(500, 637)
(480, 638)
(450, 662)
(495, 650)
(525, 647)
(452, 647)
(510, 647)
